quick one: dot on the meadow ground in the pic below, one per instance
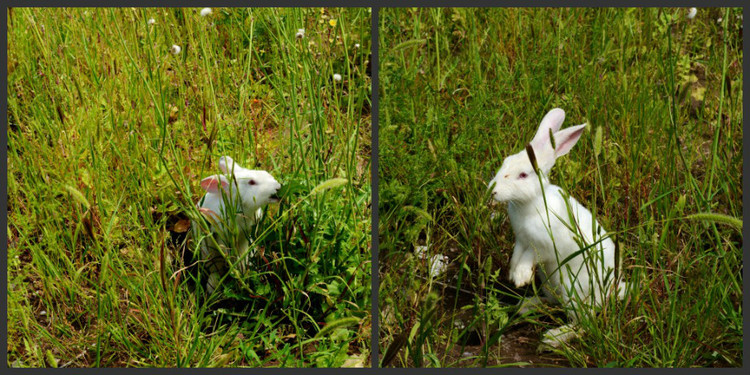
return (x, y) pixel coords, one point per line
(115, 115)
(660, 165)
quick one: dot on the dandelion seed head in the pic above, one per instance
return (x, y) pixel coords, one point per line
(175, 49)
(692, 13)
(337, 77)
(206, 12)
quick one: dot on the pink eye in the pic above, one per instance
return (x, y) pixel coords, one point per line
(251, 182)
(522, 175)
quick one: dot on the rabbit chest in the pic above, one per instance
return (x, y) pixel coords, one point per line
(233, 236)
(535, 224)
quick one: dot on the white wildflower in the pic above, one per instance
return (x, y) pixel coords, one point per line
(175, 49)
(300, 33)
(337, 77)
(718, 20)
(206, 12)
(692, 13)
(356, 45)
(151, 21)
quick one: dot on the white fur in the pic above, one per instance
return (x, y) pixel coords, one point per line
(246, 192)
(584, 279)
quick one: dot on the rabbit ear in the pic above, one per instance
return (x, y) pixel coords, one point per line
(543, 150)
(227, 164)
(565, 139)
(550, 124)
(211, 183)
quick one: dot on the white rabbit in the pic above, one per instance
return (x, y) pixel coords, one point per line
(545, 234)
(239, 191)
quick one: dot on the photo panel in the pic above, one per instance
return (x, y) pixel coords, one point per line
(560, 187)
(189, 187)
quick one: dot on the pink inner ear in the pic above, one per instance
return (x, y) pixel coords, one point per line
(211, 183)
(567, 138)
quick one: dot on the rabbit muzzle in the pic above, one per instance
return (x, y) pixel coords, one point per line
(275, 198)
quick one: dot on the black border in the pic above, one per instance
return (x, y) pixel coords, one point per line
(4, 198)
(745, 180)
(374, 197)
(381, 3)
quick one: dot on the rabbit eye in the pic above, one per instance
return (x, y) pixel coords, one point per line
(251, 182)
(522, 175)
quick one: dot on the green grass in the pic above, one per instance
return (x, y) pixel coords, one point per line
(109, 135)
(463, 88)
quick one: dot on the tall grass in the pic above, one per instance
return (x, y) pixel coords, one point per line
(109, 135)
(463, 88)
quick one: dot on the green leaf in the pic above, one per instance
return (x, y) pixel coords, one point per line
(343, 322)
(407, 44)
(51, 360)
(719, 218)
(329, 184)
(418, 211)
(77, 195)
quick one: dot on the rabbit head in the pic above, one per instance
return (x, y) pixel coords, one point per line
(517, 180)
(255, 188)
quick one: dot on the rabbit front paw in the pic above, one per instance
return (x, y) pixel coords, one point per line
(522, 275)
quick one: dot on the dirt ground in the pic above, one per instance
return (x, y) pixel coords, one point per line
(516, 346)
